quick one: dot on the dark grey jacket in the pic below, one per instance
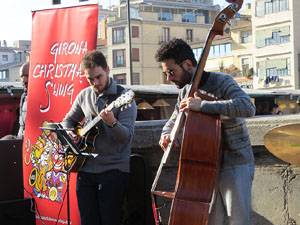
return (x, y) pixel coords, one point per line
(112, 144)
(23, 111)
(233, 105)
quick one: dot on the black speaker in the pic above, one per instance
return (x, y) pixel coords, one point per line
(11, 170)
(17, 212)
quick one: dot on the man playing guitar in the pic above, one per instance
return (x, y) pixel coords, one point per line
(102, 181)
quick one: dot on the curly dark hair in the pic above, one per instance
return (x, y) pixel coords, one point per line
(176, 49)
(93, 58)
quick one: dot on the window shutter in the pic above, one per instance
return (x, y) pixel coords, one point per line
(135, 31)
(135, 55)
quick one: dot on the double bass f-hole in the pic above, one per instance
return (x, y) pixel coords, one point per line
(198, 166)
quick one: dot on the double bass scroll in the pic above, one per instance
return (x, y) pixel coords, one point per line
(200, 153)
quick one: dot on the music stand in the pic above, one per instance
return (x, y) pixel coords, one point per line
(70, 148)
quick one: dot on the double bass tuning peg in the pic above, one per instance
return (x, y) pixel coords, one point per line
(227, 30)
(222, 18)
(234, 8)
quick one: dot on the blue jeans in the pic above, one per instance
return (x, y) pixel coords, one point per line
(232, 198)
(100, 197)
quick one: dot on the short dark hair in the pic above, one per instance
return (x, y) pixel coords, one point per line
(93, 58)
(176, 49)
(273, 106)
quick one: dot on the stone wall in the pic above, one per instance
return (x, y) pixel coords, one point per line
(275, 193)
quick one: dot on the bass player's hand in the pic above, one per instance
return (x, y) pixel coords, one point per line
(164, 142)
(190, 103)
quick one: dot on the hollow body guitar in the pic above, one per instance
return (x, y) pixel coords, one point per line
(200, 153)
(89, 132)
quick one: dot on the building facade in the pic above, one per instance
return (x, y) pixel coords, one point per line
(232, 53)
(276, 46)
(11, 59)
(152, 24)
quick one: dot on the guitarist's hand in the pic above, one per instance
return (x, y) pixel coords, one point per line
(108, 117)
(74, 136)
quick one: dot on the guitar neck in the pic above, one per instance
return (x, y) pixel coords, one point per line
(90, 125)
(93, 123)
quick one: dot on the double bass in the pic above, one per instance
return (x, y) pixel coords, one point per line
(200, 153)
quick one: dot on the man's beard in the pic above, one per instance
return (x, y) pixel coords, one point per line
(186, 78)
(105, 87)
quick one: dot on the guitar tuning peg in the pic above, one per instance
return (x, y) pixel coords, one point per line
(122, 108)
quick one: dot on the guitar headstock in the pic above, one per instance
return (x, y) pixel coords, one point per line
(225, 15)
(123, 100)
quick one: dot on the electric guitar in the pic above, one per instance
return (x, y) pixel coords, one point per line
(89, 132)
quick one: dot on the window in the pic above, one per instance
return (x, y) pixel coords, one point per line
(136, 79)
(271, 72)
(5, 58)
(245, 36)
(189, 35)
(120, 78)
(284, 39)
(118, 35)
(135, 55)
(188, 17)
(135, 31)
(165, 35)
(3, 75)
(220, 50)
(119, 58)
(134, 13)
(197, 52)
(275, 39)
(273, 68)
(55, 2)
(274, 6)
(165, 16)
(272, 36)
(227, 49)
(215, 51)
(245, 66)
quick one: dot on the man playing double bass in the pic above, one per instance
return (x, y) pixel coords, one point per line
(232, 198)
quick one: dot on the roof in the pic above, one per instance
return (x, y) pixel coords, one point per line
(11, 88)
(7, 66)
(169, 89)
(183, 5)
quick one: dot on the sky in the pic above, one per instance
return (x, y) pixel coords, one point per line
(15, 16)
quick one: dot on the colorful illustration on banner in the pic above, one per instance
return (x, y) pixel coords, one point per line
(48, 174)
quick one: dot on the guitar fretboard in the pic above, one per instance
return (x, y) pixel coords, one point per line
(93, 123)
(119, 102)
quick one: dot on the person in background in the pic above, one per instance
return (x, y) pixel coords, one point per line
(102, 181)
(274, 109)
(24, 73)
(232, 198)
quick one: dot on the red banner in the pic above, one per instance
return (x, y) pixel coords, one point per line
(60, 37)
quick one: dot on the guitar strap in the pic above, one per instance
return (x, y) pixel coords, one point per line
(113, 97)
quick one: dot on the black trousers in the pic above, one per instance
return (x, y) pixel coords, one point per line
(100, 197)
